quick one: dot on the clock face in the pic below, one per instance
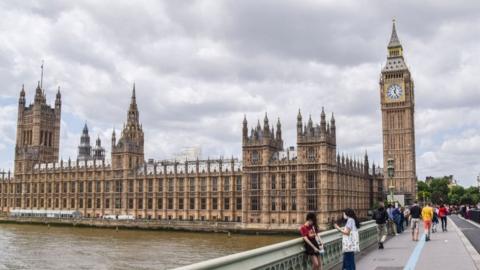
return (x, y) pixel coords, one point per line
(394, 92)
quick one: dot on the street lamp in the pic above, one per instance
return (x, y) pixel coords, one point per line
(391, 174)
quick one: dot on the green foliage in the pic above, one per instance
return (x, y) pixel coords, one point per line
(438, 192)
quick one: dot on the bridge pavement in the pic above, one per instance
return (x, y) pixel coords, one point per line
(446, 250)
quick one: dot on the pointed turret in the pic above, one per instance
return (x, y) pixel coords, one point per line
(394, 41)
(58, 98)
(245, 127)
(266, 127)
(323, 122)
(38, 94)
(299, 123)
(114, 138)
(84, 149)
(279, 130)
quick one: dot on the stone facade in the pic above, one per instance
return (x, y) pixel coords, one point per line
(398, 105)
(272, 188)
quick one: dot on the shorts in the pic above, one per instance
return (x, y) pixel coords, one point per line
(427, 224)
(415, 223)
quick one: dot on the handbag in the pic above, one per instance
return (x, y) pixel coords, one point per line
(351, 243)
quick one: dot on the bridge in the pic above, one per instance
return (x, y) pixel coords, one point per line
(458, 249)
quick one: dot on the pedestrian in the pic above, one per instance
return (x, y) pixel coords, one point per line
(312, 241)
(380, 216)
(435, 219)
(350, 239)
(442, 214)
(397, 219)
(392, 230)
(406, 214)
(427, 216)
(415, 220)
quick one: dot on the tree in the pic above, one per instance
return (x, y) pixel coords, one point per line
(440, 190)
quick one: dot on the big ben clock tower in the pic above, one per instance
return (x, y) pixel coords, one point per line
(397, 101)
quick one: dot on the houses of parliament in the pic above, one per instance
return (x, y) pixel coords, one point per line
(271, 186)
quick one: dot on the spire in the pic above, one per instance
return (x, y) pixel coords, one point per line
(266, 127)
(279, 130)
(41, 76)
(299, 123)
(21, 100)
(394, 41)
(323, 122)
(22, 92)
(245, 127)
(85, 129)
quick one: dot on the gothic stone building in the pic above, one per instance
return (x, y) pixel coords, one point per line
(272, 187)
(398, 106)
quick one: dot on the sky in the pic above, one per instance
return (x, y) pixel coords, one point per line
(200, 66)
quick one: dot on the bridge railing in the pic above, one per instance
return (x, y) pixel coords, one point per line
(289, 254)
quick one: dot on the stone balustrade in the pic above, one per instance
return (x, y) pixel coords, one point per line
(289, 254)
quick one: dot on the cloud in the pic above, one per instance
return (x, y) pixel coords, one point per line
(199, 66)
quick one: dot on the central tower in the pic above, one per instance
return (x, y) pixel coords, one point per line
(397, 102)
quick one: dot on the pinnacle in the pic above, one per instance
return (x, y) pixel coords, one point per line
(394, 41)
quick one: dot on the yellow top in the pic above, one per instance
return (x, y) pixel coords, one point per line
(427, 213)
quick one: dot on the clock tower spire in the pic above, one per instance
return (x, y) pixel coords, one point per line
(398, 125)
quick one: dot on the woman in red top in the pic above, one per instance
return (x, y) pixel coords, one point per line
(442, 213)
(309, 232)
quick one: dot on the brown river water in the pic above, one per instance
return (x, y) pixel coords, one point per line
(41, 247)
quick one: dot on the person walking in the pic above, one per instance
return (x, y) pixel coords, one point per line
(427, 216)
(406, 214)
(312, 242)
(397, 219)
(435, 219)
(442, 213)
(415, 220)
(380, 216)
(392, 230)
(350, 239)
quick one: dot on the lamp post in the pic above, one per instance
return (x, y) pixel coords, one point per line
(391, 174)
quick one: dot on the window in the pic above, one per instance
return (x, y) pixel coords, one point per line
(283, 203)
(107, 203)
(293, 183)
(80, 186)
(203, 203)
(98, 203)
(170, 185)
(192, 203)
(311, 203)
(311, 154)
(57, 187)
(42, 188)
(89, 186)
(254, 203)
(239, 183)
(72, 203)
(214, 184)
(130, 203)
(273, 182)
(140, 203)
(80, 203)
(255, 181)
(149, 203)
(239, 203)
(255, 157)
(160, 185)
(118, 203)
(181, 186)
(273, 203)
(311, 180)
(64, 203)
(49, 188)
(150, 185)
(130, 186)
(214, 203)
(72, 187)
(140, 186)
(226, 203)
(118, 186)
(98, 186)
(89, 203)
(180, 203)
(226, 183)
(203, 184)
(170, 203)
(107, 187)
(294, 203)
(192, 184)
(283, 181)
(160, 203)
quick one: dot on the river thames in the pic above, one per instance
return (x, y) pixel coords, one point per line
(40, 247)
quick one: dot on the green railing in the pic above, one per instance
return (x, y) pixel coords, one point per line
(289, 254)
